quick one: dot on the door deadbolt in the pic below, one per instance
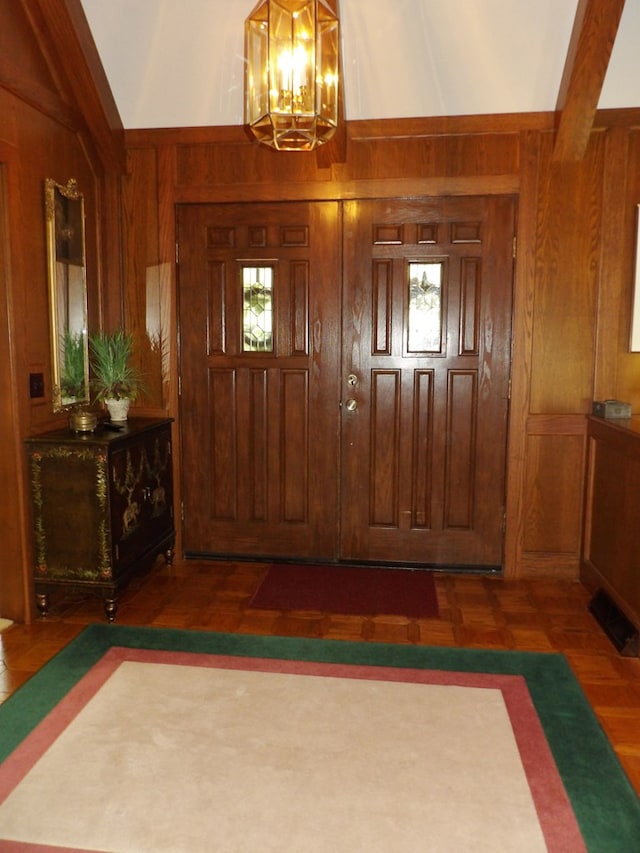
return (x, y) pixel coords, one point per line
(352, 379)
(352, 405)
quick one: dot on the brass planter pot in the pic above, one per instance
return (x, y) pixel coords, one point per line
(82, 421)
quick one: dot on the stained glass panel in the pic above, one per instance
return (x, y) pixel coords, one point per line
(425, 307)
(257, 311)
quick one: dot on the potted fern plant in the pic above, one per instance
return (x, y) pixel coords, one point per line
(116, 382)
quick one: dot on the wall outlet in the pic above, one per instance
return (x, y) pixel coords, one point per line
(36, 385)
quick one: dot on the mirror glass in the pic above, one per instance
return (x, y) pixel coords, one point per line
(634, 345)
(64, 207)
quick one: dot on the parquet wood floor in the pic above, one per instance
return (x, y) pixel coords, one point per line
(475, 611)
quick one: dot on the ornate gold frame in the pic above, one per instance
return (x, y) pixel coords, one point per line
(65, 230)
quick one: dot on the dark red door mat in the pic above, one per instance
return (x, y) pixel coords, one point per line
(353, 590)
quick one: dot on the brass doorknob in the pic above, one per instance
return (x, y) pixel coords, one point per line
(352, 405)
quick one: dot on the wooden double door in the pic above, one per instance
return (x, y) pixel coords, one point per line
(344, 379)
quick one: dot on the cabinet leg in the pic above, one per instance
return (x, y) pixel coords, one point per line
(110, 608)
(42, 603)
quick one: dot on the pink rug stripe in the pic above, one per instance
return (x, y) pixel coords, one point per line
(25, 847)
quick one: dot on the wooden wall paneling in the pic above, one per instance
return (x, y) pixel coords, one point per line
(221, 165)
(242, 162)
(336, 149)
(8, 128)
(563, 330)
(560, 266)
(39, 144)
(52, 140)
(532, 156)
(554, 495)
(555, 321)
(204, 171)
(64, 39)
(332, 191)
(24, 70)
(49, 150)
(143, 304)
(15, 600)
(566, 285)
(23, 310)
(543, 564)
(613, 303)
(168, 250)
(44, 132)
(238, 163)
(97, 96)
(105, 281)
(149, 299)
(627, 385)
(554, 504)
(428, 155)
(147, 294)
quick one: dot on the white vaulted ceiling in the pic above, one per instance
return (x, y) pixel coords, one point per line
(179, 63)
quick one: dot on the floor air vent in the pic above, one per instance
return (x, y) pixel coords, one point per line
(622, 633)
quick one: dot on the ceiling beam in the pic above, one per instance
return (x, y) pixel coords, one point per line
(594, 32)
(64, 39)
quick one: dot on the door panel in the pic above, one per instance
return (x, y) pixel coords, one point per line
(362, 425)
(259, 408)
(426, 334)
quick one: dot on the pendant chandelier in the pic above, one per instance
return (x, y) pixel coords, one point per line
(291, 82)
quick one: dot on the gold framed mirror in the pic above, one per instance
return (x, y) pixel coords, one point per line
(634, 344)
(64, 206)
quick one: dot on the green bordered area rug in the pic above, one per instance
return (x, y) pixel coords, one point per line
(143, 740)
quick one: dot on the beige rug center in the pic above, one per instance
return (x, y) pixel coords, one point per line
(169, 759)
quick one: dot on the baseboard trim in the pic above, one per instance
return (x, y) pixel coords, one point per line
(311, 561)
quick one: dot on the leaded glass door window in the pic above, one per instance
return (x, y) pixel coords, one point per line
(425, 306)
(257, 309)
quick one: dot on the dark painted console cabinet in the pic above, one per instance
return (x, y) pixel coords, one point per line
(611, 552)
(102, 507)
